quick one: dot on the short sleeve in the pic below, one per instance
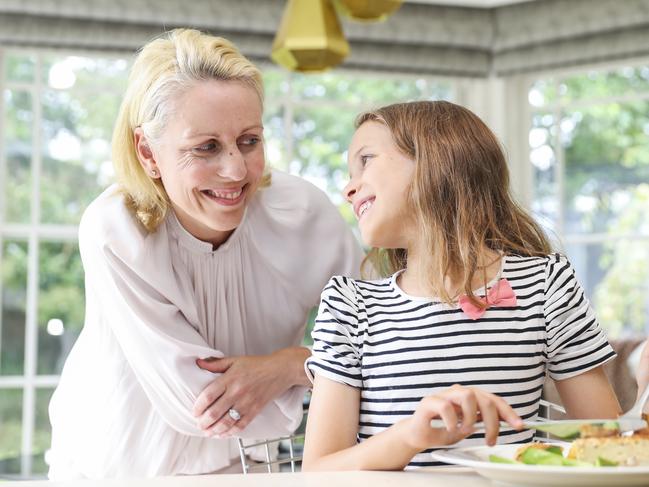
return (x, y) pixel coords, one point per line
(575, 343)
(336, 351)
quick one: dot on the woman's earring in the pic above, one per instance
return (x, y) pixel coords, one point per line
(154, 173)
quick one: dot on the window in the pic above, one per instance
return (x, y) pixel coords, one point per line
(57, 116)
(590, 157)
(57, 113)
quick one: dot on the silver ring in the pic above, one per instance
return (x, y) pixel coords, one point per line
(234, 414)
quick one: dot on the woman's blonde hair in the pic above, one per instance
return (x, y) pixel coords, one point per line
(163, 69)
(459, 195)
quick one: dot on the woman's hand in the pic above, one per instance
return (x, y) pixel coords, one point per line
(459, 407)
(247, 384)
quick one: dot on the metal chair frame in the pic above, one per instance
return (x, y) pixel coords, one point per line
(546, 407)
(293, 459)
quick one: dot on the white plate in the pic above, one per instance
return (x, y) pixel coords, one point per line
(539, 475)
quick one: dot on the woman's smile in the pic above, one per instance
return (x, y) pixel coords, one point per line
(226, 197)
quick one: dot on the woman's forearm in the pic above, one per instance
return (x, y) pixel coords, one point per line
(294, 358)
(387, 450)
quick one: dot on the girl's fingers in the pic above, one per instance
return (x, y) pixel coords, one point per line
(469, 405)
(490, 418)
(506, 412)
(444, 409)
(474, 405)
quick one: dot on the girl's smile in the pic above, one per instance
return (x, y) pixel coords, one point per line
(361, 206)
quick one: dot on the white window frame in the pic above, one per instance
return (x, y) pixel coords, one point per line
(557, 108)
(521, 112)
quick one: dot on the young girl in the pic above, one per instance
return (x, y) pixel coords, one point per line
(474, 297)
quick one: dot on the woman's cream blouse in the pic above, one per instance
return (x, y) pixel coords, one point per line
(155, 302)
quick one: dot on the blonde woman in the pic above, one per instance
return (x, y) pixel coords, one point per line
(198, 252)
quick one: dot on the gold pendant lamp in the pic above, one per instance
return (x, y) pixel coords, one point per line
(368, 10)
(309, 38)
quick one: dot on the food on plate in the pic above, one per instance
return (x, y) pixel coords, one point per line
(598, 430)
(539, 446)
(540, 454)
(645, 431)
(599, 446)
(623, 450)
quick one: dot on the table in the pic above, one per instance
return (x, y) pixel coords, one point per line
(440, 477)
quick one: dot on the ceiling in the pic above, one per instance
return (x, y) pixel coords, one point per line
(468, 38)
(470, 3)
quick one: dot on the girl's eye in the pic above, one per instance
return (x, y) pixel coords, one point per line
(365, 159)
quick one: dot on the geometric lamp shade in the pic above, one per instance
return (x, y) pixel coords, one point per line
(309, 38)
(368, 10)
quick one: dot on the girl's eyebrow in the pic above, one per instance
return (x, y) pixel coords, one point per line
(359, 151)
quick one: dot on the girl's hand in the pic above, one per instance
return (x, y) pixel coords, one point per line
(247, 384)
(459, 407)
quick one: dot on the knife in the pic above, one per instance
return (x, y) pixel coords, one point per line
(566, 429)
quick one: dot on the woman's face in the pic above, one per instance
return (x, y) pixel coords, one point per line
(210, 156)
(380, 177)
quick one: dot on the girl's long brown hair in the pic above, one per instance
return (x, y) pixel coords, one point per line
(459, 196)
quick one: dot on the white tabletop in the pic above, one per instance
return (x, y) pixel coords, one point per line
(442, 477)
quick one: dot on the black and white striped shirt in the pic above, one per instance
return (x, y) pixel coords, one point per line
(398, 348)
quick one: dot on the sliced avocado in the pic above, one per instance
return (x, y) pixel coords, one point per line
(497, 459)
(604, 462)
(536, 456)
(569, 462)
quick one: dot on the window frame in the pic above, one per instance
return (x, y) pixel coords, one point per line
(526, 111)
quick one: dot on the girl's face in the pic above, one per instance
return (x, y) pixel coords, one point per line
(210, 156)
(380, 177)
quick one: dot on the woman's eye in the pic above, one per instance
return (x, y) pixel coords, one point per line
(250, 140)
(207, 147)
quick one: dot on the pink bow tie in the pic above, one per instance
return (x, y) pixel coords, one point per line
(501, 294)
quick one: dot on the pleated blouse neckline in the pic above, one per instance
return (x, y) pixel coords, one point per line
(194, 244)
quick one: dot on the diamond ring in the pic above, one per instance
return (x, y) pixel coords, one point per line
(234, 414)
